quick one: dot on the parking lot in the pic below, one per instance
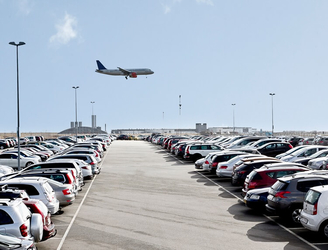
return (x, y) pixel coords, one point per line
(147, 199)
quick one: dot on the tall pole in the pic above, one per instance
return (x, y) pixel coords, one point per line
(180, 112)
(233, 116)
(18, 120)
(272, 94)
(76, 126)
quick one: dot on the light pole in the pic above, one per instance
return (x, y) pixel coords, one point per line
(76, 127)
(18, 122)
(272, 94)
(233, 116)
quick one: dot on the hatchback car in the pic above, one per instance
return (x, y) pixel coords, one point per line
(314, 214)
(16, 219)
(274, 148)
(8, 242)
(267, 175)
(36, 189)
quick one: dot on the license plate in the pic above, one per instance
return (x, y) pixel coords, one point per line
(270, 197)
(304, 220)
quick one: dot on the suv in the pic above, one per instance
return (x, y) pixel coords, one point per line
(267, 175)
(16, 219)
(286, 196)
(222, 157)
(195, 152)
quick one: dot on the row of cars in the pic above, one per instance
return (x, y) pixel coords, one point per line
(31, 196)
(291, 183)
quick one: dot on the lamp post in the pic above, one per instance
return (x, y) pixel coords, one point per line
(272, 94)
(18, 122)
(233, 116)
(76, 127)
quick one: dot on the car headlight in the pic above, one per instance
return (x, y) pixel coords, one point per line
(255, 197)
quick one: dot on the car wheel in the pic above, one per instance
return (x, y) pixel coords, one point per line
(2, 147)
(37, 227)
(28, 164)
(324, 229)
(296, 212)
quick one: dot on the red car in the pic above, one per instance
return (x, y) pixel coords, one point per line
(37, 206)
(267, 175)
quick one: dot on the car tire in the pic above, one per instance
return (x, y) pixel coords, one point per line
(37, 227)
(28, 164)
(324, 229)
(295, 215)
(2, 147)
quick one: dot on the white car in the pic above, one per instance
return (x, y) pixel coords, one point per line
(302, 153)
(314, 214)
(10, 159)
(225, 169)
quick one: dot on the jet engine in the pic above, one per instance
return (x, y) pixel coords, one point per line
(133, 75)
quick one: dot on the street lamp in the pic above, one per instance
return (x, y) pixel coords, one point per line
(272, 94)
(18, 122)
(233, 116)
(76, 127)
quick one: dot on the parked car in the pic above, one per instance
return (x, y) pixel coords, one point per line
(225, 168)
(239, 174)
(244, 141)
(4, 144)
(303, 153)
(318, 163)
(16, 219)
(223, 156)
(274, 148)
(287, 194)
(257, 198)
(36, 189)
(319, 154)
(38, 207)
(84, 151)
(10, 159)
(314, 213)
(195, 152)
(292, 150)
(268, 174)
(8, 242)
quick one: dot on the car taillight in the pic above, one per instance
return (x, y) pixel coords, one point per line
(290, 146)
(47, 220)
(187, 150)
(214, 164)
(24, 230)
(223, 167)
(85, 167)
(252, 185)
(69, 179)
(92, 163)
(315, 208)
(97, 155)
(206, 162)
(73, 175)
(66, 191)
(281, 194)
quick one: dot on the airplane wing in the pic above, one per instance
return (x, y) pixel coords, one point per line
(125, 72)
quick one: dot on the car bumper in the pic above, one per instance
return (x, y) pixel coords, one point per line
(53, 207)
(310, 221)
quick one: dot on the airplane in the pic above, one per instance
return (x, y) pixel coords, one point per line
(133, 73)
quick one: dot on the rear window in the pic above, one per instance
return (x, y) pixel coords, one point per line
(47, 187)
(312, 197)
(5, 218)
(279, 185)
(254, 175)
(304, 186)
(30, 190)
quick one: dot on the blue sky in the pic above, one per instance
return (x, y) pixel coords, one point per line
(212, 53)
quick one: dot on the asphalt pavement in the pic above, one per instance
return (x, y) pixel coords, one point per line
(144, 198)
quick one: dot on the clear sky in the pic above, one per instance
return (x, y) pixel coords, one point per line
(213, 53)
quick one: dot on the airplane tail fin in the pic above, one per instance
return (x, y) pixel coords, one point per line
(100, 65)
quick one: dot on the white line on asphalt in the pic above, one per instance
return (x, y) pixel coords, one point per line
(283, 227)
(77, 211)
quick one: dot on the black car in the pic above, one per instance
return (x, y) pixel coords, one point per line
(274, 148)
(239, 174)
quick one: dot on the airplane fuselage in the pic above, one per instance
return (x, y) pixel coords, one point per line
(117, 72)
